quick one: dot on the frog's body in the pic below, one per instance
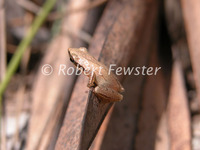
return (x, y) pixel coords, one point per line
(107, 86)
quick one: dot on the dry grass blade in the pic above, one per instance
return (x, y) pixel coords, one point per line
(2, 41)
(2, 70)
(124, 33)
(96, 145)
(123, 122)
(81, 124)
(178, 112)
(152, 119)
(191, 11)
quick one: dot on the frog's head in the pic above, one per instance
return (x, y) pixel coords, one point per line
(76, 54)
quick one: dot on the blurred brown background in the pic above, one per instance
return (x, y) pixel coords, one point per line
(158, 112)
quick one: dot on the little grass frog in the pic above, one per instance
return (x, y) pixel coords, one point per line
(106, 85)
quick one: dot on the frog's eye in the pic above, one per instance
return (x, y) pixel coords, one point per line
(83, 49)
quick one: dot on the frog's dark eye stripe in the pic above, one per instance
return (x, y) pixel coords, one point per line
(72, 60)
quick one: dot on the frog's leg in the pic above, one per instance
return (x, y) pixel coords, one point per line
(107, 94)
(91, 82)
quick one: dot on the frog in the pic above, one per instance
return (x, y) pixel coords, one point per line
(105, 84)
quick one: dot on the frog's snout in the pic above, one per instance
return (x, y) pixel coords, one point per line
(69, 49)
